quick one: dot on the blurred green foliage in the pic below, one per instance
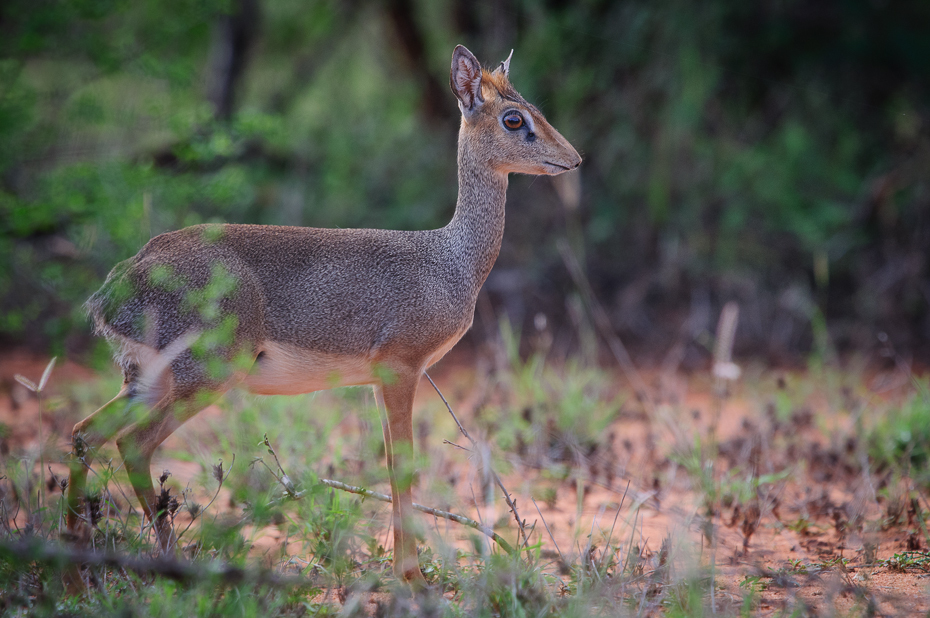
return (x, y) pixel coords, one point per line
(774, 153)
(901, 437)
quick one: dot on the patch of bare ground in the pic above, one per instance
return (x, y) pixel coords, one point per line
(768, 482)
(798, 514)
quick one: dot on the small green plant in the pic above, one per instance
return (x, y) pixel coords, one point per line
(324, 552)
(552, 414)
(900, 440)
(752, 587)
(909, 560)
(802, 526)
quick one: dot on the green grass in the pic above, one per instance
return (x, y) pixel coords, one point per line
(901, 437)
(256, 544)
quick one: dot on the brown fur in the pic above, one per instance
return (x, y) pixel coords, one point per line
(312, 308)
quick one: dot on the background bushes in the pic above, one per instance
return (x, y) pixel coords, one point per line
(772, 153)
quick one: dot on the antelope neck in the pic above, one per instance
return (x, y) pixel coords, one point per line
(477, 228)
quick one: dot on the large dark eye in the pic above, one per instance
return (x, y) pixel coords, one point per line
(513, 121)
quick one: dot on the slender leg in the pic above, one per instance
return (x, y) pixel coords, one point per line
(397, 422)
(136, 446)
(87, 436)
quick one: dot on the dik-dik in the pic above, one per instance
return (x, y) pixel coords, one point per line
(287, 310)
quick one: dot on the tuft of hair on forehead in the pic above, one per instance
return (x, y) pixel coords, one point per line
(495, 84)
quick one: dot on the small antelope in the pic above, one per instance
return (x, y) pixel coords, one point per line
(287, 310)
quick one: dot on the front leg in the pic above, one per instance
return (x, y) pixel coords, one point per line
(395, 401)
(87, 436)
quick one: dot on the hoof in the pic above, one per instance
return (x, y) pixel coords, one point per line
(414, 578)
(72, 580)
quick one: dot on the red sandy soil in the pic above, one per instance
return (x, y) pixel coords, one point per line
(813, 526)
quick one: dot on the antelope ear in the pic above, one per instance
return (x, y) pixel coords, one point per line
(465, 80)
(505, 66)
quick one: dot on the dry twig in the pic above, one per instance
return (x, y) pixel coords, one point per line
(465, 521)
(34, 549)
(293, 493)
(602, 322)
(521, 524)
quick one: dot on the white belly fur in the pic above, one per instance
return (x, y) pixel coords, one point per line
(288, 370)
(448, 345)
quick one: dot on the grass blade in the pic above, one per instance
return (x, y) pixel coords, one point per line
(45, 374)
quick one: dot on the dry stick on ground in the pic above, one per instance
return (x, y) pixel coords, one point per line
(284, 479)
(456, 445)
(526, 541)
(610, 535)
(34, 549)
(465, 521)
(587, 553)
(724, 370)
(561, 557)
(602, 322)
(521, 525)
(292, 492)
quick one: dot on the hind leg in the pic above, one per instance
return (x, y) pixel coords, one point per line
(137, 444)
(192, 385)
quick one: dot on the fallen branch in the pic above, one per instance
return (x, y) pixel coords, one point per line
(37, 550)
(292, 493)
(521, 525)
(465, 521)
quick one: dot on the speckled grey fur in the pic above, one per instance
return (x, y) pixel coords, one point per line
(312, 308)
(402, 294)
